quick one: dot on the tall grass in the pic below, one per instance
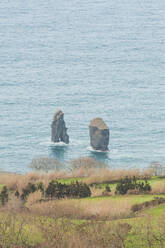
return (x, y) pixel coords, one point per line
(111, 175)
(158, 188)
(93, 171)
(33, 198)
(25, 231)
(80, 209)
(18, 182)
(65, 234)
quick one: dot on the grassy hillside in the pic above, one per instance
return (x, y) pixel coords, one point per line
(104, 219)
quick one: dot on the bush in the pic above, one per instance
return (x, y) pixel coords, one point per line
(40, 186)
(59, 190)
(107, 188)
(30, 188)
(136, 207)
(56, 189)
(107, 191)
(4, 195)
(157, 201)
(131, 184)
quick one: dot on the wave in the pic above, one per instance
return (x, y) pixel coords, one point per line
(58, 144)
(89, 148)
(54, 144)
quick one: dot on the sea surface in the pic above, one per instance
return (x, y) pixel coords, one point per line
(90, 58)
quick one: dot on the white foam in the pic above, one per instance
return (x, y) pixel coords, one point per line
(49, 143)
(58, 144)
(89, 148)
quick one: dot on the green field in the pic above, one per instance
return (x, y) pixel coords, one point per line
(96, 221)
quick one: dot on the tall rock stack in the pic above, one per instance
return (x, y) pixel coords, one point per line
(99, 134)
(59, 130)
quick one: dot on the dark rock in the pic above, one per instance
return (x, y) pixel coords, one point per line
(99, 134)
(59, 130)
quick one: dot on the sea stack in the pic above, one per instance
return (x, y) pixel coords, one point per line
(99, 134)
(59, 130)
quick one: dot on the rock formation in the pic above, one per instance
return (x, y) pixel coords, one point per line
(99, 134)
(59, 130)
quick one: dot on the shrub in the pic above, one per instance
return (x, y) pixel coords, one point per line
(64, 234)
(30, 188)
(4, 195)
(17, 194)
(79, 190)
(59, 190)
(107, 188)
(40, 186)
(131, 184)
(157, 201)
(15, 232)
(54, 189)
(136, 207)
(107, 191)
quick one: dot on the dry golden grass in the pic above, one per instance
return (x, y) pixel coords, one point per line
(96, 191)
(104, 209)
(108, 175)
(158, 188)
(80, 209)
(10, 180)
(94, 174)
(83, 172)
(18, 182)
(33, 198)
(13, 205)
(99, 172)
(57, 209)
(85, 162)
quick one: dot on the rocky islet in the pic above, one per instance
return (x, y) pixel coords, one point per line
(99, 134)
(58, 128)
(98, 131)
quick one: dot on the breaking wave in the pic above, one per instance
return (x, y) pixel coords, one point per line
(54, 144)
(89, 148)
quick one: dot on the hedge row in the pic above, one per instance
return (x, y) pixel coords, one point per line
(157, 201)
(57, 190)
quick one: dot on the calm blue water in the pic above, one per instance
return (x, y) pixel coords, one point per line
(90, 58)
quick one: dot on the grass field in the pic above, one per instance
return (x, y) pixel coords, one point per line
(27, 230)
(99, 221)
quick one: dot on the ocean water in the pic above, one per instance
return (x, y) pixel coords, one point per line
(90, 58)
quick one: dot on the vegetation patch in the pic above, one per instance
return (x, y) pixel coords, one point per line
(56, 189)
(152, 203)
(131, 184)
